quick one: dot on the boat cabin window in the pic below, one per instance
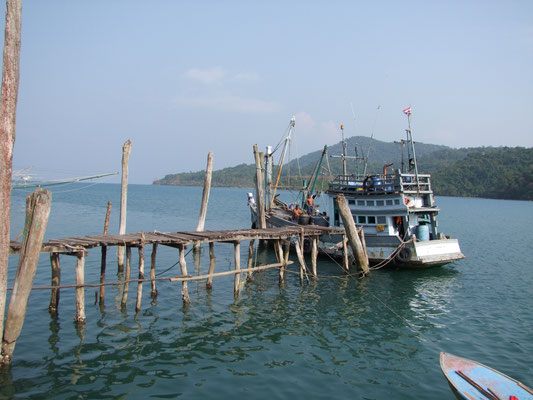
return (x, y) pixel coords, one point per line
(336, 218)
(389, 202)
(382, 220)
(371, 220)
(380, 203)
(360, 202)
(361, 219)
(370, 203)
(351, 201)
(396, 201)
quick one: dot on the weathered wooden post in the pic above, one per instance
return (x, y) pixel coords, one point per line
(104, 254)
(152, 270)
(56, 281)
(345, 260)
(183, 266)
(363, 241)
(237, 256)
(205, 197)
(250, 260)
(126, 149)
(261, 221)
(314, 255)
(141, 274)
(279, 256)
(37, 211)
(8, 111)
(127, 276)
(351, 232)
(80, 290)
(209, 283)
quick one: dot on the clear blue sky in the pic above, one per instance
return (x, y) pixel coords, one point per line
(182, 78)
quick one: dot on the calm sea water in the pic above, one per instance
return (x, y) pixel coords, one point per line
(377, 338)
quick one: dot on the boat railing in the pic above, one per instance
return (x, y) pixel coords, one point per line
(411, 183)
(382, 183)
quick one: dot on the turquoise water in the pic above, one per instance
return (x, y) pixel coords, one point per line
(377, 338)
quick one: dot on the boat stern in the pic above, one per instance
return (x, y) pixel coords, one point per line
(436, 252)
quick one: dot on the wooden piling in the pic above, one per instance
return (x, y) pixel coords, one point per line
(209, 283)
(363, 241)
(205, 196)
(250, 260)
(299, 253)
(141, 275)
(56, 281)
(80, 291)
(37, 211)
(183, 266)
(152, 270)
(127, 276)
(281, 259)
(345, 260)
(237, 257)
(261, 221)
(351, 232)
(8, 111)
(314, 255)
(126, 149)
(104, 254)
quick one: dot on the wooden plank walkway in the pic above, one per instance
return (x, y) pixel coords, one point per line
(175, 239)
(79, 247)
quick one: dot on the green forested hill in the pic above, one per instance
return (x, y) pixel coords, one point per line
(491, 172)
(503, 173)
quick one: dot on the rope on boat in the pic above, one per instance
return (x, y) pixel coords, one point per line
(392, 255)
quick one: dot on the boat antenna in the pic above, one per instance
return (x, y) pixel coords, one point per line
(371, 138)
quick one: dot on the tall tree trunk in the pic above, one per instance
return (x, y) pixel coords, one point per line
(8, 110)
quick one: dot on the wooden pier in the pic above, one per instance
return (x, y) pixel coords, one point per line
(79, 247)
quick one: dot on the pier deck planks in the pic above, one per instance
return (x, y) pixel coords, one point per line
(80, 244)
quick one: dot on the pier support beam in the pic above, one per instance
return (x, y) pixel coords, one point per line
(80, 291)
(56, 281)
(205, 197)
(152, 270)
(141, 275)
(314, 255)
(104, 254)
(250, 260)
(126, 149)
(126, 277)
(345, 260)
(37, 211)
(209, 283)
(261, 221)
(299, 253)
(183, 266)
(8, 112)
(237, 256)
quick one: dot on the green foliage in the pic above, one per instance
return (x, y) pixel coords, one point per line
(491, 172)
(498, 173)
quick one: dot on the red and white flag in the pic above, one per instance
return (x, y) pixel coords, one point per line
(407, 111)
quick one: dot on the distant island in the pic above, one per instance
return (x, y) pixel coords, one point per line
(488, 172)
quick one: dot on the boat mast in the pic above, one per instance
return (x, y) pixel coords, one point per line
(407, 112)
(268, 175)
(286, 145)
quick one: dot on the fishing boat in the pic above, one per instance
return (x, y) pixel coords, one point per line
(470, 380)
(396, 210)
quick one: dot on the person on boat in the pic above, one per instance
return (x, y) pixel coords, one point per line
(296, 212)
(310, 203)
